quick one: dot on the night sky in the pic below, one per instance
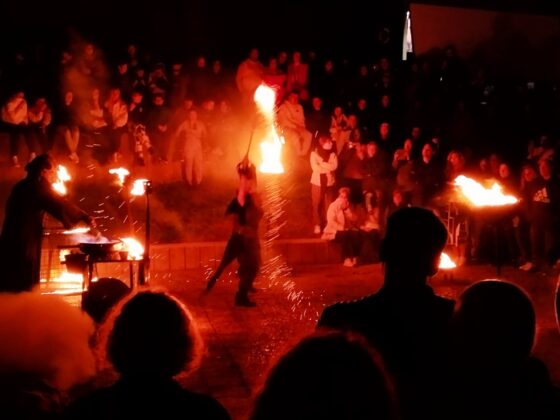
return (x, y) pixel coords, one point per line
(225, 28)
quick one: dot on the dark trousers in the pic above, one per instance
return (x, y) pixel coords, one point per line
(350, 242)
(246, 249)
(16, 132)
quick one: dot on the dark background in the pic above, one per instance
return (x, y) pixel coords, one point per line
(176, 29)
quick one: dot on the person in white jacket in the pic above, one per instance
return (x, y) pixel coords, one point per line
(291, 120)
(323, 162)
(343, 227)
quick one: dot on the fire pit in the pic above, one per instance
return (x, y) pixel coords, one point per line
(98, 249)
(490, 206)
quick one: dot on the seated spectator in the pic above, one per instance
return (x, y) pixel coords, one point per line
(327, 376)
(152, 339)
(339, 128)
(494, 374)
(405, 320)
(14, 117)
(68, 122)
(291, 120)
(343, 227)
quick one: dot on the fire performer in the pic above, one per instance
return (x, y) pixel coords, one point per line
(20, 241)
(243, 244)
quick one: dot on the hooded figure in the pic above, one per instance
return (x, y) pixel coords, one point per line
(20, 241)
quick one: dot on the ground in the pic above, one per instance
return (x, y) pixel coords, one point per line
(241, 343)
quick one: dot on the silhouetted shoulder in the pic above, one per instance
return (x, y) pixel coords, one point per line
(344, 314)
(165, 401)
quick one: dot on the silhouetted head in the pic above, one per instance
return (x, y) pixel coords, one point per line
(494, 323)
(153, 335)
(326, 376)
(412, 245)
(39, 165)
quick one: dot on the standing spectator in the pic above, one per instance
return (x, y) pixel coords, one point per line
(317, 121)
(298, 72)
(405, 320)
(276, 79)
(158, 124)
(249, 76)
(40, 117)
(323, 166)
(67, 117)
(192, 134)
(14, 115)
(118, 116)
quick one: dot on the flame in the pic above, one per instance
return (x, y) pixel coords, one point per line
(480, 196)
(271, 146)
(133, 247)
(65, 284)
(445, 262)
(139, 187)
(62, 177)
(121, 174)
(76, 230)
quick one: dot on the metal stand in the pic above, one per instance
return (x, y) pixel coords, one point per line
(144, 274)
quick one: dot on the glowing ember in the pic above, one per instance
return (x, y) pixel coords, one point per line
(77, 230)
(133, 247)
(480, 196)
(139, 187)
(445, 262)
(62, 177)
(271, 146)
(121, 174)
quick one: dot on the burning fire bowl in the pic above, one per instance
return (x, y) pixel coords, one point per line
(494, 214)
(98, 249)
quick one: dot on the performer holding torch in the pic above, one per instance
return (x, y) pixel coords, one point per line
(245, 213)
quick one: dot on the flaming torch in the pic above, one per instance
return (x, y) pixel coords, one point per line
(142, 187)
(271, 145)
(275, 268)
(62, 176)
(121, 174)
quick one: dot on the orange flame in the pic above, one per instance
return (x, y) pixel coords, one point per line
(445, 262)
(76, 230)
(121, 174)
(271, 146)
(62, 177)
(138, 187)
(480, 196)
(133, 247)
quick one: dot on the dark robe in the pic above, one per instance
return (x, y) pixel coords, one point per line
(22, 233)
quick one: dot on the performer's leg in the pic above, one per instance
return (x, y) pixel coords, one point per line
(249, 261)
(233, 248)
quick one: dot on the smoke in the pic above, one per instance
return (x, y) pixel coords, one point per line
(46, 337)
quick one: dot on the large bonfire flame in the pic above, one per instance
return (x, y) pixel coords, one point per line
(445, 262)
(271, 146)
(62, 176)
(121, 174)
(479, 196)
